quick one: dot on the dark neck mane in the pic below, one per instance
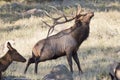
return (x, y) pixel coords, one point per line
(81, 31)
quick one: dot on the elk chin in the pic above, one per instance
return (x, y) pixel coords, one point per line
(91, 14)
(24, 60)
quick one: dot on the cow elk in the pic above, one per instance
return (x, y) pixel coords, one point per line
(9, 57)
(65, 43)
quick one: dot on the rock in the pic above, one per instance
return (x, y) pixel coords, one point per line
(59, 72)
(33, 11)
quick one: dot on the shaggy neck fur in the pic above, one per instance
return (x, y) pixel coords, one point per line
(81, 30)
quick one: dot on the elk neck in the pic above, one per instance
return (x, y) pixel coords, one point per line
(6, 60)
(81, 32)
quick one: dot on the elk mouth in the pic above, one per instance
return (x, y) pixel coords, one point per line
(24, 60)
(19, 58)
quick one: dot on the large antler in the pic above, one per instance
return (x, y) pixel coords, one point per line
(56, 21)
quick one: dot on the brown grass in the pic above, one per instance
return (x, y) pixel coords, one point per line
(95, 54)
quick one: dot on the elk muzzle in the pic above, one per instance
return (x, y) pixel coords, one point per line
(18, 57)
(91, 14)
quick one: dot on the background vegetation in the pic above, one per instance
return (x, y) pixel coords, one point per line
(96, 54)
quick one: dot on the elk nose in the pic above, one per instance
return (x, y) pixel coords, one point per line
(91, 14)
(24, 60)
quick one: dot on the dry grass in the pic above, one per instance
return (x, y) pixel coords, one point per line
(95, 54)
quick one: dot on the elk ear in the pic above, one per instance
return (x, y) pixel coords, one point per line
(9, 46)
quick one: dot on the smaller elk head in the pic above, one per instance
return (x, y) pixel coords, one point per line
(15, 56)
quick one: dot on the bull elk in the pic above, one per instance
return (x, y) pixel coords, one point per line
(9, 57)
(63, 43)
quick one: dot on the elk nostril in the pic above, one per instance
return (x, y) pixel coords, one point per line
(24, 60)
(91, 14)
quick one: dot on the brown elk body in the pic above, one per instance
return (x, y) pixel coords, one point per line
(63, 43)
(9, 57)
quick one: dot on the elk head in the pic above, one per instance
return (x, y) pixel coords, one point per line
(84, 18)
(15, 56)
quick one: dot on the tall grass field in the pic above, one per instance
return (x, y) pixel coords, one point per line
(96, 53)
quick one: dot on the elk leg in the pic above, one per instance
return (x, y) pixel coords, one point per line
(31, 60)
(69, 58)
(117, 68)
(36, 65)
(0, 75)
(112, 77)
(75, 57)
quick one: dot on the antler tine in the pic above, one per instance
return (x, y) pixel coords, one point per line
(66, 20)
(56, 20)
(78, 9)
(46, 23)
(47, 14)
(53, 8)
(64, 16)
(51, 27)
(57, 11)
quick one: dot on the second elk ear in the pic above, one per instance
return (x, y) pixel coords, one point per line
(9, 46)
